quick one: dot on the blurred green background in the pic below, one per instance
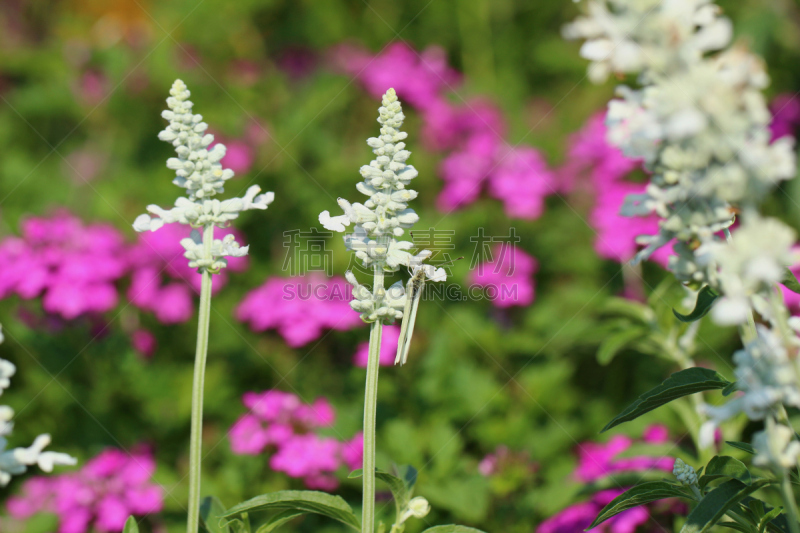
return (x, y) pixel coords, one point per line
(526, 378)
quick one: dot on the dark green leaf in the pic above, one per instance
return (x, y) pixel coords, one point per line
(716, 503)
(308, 501)
(452, 529)
(790, 281)
(705, 298)
(276, 521)
(735, 526)
(730, 389)
(636, 496)
(767, 518)
(742, 446)
(679, 384)
(398, 487)
(616, 342)
(722, 466)
(211, 509)
(131, 526)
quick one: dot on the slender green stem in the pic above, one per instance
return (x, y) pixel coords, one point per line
(789, 503)
(370, 411)
(195, 443)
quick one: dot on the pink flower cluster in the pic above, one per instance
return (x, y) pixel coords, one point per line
(473, 135)
(162, 281)
(601, 166)
(300, 308)
(71, 265)
(100, 497)
(278, 422)
(507, 276)
(596, 461)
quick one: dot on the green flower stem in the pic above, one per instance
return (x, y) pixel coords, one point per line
(195, 443)
(370, 410)
(790, 505)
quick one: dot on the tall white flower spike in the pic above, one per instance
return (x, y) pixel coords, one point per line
(199, 171)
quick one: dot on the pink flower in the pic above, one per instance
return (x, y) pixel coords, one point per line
(596, 460)
(389, 339)
(507, 276)
(353, 452)
(300, 308)
(144, 342)
(522, 180)
(156, 258)
(239, 154)
(785, 115)
(72, 265)
(109, 488)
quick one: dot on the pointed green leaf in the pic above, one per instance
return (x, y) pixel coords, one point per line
(734, 526)
(398, 487)
(452, 529)
(767, 518)
(274, 522)
(639, 495)
(676, 386)
(211, 510)
(612, 345)
(722, 466)
(716, 503)
(742, 446)
(790, 281)
(729, 389)
(308, 501)
(705, 298)
(131, 526)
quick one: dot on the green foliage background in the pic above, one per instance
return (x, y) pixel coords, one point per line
(478, 378)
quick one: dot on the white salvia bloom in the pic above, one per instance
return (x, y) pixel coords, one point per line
(776, 448)
(376, 225)
(16, 461)
(685, 473)
(198, 170)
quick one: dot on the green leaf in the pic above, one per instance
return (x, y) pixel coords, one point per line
(716, 503)
(767, 518)
(735, 527)
(729, 389)
(131, 526)
(452, 529)
(742, 446)
(211, 510)
(679, 384)
(723, 466)
(628, 308)
(636, 496)
(399, 488)
(705, 298)
(616, 342)
(790, 281)
(276, 521)
(308, 501)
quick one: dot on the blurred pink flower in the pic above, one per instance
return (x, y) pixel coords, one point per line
(785, 115)
(522, 180)
(239, 154)
(74, 266)
(162, 281)
(389, 338)
(280, 423)
(93, 87)
(353, 452)
(507, 276)
(101, 496)
(300, 308)
(144, 342)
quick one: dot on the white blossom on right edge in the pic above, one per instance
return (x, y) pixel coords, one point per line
(15, 461)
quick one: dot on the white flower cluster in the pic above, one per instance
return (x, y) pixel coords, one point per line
(685, 473)
(200, 172)
(378, 222)
(16, 461)
(699, 122)
(776, 447)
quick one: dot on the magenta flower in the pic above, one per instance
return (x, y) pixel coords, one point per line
(522, 180)
(507, 276)
(72, 265)
(300, 308)
(599, 460)
(144, 342)
(353, 452)
(162, 281)
(101, 496)
(389, 339)
(792, 299)
(279, 423)
(239, 155)
(785, 115)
